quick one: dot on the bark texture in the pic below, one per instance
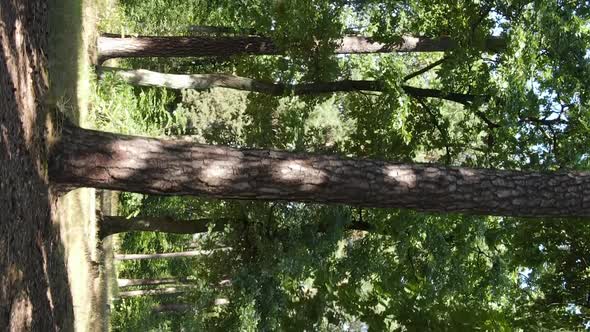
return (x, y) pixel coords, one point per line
(110, 46)
(110, 225)
(86, 158)
(144, 77)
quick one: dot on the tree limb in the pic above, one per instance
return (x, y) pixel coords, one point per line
(425, 69)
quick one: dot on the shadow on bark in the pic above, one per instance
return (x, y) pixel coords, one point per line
(34, 290)
(166, 167)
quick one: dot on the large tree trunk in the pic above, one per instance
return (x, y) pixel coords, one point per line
(144, 77)
(110, 225)
(111, 46)
(182, 254)
(87, 158)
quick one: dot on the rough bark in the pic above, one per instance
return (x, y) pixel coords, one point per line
(110, 46)
(190, 253)
(110, 225)
(144, 77)
(87, 158)
(149, 282)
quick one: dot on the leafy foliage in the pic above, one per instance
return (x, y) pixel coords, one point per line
(304, 267)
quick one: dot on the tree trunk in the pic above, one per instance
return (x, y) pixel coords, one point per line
(148, 282)
(144, 77)
(110, 225)
(110, 46)
(191, 253)
(171, 308)
(157, 291)
(88, 158)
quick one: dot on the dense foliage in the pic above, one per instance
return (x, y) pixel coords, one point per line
(300, 266)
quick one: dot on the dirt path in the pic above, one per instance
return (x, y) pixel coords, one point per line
(34, 291)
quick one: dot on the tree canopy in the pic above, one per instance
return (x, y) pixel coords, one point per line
(297, 266)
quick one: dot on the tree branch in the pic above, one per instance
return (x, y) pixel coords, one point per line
(484, 118)
(443, 133)
(208, 81)
(425, 69)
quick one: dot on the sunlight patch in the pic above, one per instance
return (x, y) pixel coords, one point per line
(402, 175)
(300, 171)
(218, 171)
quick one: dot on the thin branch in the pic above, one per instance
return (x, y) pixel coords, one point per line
(443, 133)
(425, 69)
(543, 121)
(484, 118)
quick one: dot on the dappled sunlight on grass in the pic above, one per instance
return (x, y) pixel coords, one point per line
(77, 224)
(72, 39)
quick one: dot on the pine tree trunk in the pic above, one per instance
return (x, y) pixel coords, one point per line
(110, 46)
(87, 158)
(144, 77)
(110, 225)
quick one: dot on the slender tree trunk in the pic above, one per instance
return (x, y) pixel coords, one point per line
(110, 46)
(87, 158)
(115, 224)
(144, 77)
(171, 308)
(149, 282)
(157, 291)
(110, 225)
(191, 253)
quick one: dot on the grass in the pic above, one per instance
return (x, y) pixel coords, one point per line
(72, 26)
(109, 205)
(109, 106)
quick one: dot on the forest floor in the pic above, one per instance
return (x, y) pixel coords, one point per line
(50, 260)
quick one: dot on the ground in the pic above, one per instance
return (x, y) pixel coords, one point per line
(50, 265)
